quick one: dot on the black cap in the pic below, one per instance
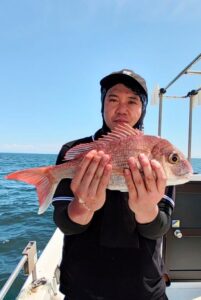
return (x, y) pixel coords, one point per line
(126, 76)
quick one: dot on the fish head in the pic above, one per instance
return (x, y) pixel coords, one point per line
(177, 168)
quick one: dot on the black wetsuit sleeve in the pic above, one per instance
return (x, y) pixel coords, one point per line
(63, 222)
(161, 224)
(62, 197)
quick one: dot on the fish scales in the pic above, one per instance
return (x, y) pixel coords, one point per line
(120, 150)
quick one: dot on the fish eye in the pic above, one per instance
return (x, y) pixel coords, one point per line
(174, 158)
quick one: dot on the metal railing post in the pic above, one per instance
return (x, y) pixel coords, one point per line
(190, 127)
(160, 114)
(12, 277)
(28, 262)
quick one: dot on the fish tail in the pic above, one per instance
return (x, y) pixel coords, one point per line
(44, 181)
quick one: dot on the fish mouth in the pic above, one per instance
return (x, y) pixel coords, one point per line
(179, 180)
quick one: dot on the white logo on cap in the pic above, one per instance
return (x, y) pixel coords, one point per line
(127, 72)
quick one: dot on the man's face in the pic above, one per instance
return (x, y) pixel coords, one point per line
(121, 105)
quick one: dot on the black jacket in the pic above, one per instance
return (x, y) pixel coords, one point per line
(113, 257)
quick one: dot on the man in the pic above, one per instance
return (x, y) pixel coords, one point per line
(112, 239)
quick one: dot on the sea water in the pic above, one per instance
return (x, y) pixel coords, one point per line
(19, 221)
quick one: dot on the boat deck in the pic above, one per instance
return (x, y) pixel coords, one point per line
(177, 290)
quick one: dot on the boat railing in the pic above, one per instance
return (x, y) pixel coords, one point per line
(159, 94)
(28, 263)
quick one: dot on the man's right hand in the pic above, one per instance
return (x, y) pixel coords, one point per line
(89, 186)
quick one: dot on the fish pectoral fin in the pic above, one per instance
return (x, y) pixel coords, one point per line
(74, 152)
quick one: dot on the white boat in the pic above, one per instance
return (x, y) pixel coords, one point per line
(181, 246)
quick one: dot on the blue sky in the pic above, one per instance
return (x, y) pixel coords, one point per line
(53, 54)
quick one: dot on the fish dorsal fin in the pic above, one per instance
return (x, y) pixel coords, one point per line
(119, 132)
(76, 151)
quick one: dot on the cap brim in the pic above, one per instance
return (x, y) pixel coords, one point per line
(129, 81)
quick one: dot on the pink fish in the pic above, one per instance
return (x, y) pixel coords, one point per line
(122, 143)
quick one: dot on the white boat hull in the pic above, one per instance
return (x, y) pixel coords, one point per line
(46, 266)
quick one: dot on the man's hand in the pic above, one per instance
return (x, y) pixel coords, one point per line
(89, 186)
(145, 191)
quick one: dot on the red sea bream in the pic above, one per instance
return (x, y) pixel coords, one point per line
(122, 143)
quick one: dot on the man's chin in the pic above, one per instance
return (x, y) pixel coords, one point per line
(116, 123)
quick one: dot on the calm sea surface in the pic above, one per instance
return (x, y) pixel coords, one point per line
(19, 221)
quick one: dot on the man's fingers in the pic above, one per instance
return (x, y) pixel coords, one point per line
(161, 178)
(99, 175)
(137, 178)
(104, 180)
(91, 170)
(148, 174)
(91, 174)
(81, 169)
